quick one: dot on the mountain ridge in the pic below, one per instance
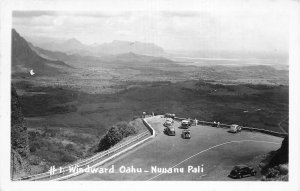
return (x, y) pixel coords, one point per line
(124, 58)
(24, 59)
(74, 46)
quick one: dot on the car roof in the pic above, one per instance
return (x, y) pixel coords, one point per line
(184, 121)
(240, 166)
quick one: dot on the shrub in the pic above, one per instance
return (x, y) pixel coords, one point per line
(112, 137)
(34, 160)
(283, 169)
(34, 146)
(66, 158)
(70, 147)
(115, 134)
(125, 129)
(272, 173)
(276, 173)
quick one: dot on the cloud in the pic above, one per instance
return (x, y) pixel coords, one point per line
(188, 30)
(186, 14)
(31, 14)
(34, 14)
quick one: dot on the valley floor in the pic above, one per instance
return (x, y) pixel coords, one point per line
(65, 121)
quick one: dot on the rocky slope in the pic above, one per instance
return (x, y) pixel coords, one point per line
(19, 139)
(282, 154)
(276, 166)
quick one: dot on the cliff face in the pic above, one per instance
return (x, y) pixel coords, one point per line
(277, 169)
(282, 154)
(19, 138)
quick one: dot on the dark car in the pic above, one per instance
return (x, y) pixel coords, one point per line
(242, 171)
(186, 134)
(170, 131)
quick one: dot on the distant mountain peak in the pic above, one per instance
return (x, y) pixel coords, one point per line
(120, 41)
(121, 47)
(132, 58)
(73, 41)
(130, 54)
(74, 46)
(94, 44)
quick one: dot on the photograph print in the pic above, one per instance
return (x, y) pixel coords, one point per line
(150, 95)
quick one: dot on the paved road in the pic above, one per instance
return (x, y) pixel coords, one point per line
(211, 151)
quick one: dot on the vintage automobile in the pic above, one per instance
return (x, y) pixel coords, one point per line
(170, 131)
(241, 171)
(235, 128)
(169, 115)
(186, 134)
(169, 122)
(185, 124)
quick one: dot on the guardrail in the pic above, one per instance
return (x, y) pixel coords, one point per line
(152, 131)
(223, 125)
(179, 118)
(274, 133)
(101, 160)
(94, 160)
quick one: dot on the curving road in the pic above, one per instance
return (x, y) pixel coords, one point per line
(212, 150)
(219, 145)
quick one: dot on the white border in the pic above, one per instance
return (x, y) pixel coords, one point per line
(151, 5)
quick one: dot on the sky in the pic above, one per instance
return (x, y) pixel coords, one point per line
(246, 29)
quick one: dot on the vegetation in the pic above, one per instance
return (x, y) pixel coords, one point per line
(84, 126)
(19, 138)
(45, 147)
(65, 124)
(24, 56)
(276, 164)
(116, 134)
(277, 173)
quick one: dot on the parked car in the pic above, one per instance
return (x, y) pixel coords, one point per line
(186, 134)
(170, 131)
(185, 124)
(169, 115)
(235, 128)
(241, 171)
(169, 122)
(215, 124)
